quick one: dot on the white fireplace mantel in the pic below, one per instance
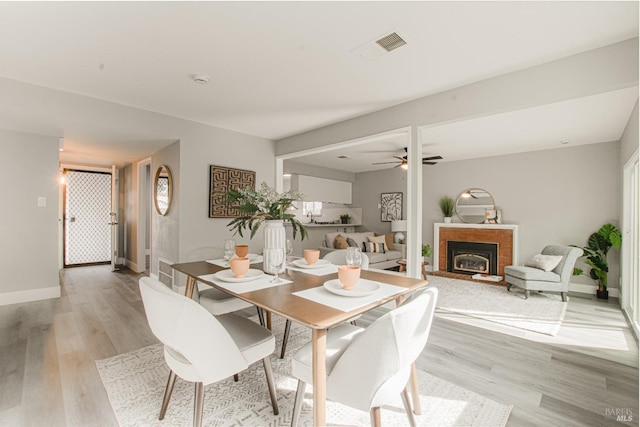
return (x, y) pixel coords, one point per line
(436, 237)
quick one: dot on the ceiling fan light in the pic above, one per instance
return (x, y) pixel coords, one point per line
(404, 166)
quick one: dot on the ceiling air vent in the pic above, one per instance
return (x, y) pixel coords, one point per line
(391, 42)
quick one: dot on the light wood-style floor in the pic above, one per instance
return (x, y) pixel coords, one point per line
(48, 376)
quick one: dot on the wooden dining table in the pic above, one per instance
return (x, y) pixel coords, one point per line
(318, 317)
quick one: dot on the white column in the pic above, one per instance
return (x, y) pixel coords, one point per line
(414, 204)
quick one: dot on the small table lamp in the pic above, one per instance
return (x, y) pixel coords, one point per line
(399, 226)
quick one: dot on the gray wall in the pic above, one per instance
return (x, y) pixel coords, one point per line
(29, 242)
(165, 230)
(200, 147)
(596, 71)
(555, 196)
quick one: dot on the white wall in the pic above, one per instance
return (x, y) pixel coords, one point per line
(629, 142)
(556, 196)
(29, 234)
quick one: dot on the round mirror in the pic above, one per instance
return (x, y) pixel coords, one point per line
(163, 190)
(472, 205)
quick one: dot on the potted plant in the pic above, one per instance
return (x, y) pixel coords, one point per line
(344, 218)
(595, 254)
(426, 252)
(266, 204)
(447, 206)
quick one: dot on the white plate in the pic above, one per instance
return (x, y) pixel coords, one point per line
(361, 289)
(227, 276)
(302, 263)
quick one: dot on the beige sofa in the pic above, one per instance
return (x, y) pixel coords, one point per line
(376, 260)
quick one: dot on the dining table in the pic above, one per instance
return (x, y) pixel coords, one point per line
(286, 300)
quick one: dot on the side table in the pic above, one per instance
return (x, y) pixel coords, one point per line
(403, 267)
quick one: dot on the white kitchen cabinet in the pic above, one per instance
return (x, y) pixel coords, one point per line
(322, 189)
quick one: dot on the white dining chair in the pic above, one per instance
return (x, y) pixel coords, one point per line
(216, 301)
(337, 257)
(368, 368)
(200, 347)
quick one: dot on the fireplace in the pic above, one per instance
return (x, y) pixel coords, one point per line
(504, 235)
(472, 257)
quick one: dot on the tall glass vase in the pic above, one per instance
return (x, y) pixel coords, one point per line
(275, 237)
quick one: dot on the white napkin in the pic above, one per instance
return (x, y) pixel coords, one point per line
(344, 303)
(242, 287)
(223, 262)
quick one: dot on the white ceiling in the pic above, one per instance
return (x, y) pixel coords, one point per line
(281, 68)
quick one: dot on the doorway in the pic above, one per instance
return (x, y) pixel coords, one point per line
(87, 217)
(143, 232)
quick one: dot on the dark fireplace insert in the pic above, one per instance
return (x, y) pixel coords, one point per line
(472, 257)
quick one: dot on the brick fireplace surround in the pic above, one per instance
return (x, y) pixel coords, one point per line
(505, 235)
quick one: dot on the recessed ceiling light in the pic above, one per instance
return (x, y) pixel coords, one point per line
(564, 142)
(201, 79)
(286, 175)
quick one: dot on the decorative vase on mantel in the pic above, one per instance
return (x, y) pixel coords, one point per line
(275, 237)
(447, 219)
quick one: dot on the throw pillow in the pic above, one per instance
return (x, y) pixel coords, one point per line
(377, 239)
(352, 243)
(544, 262)
(340, 242)
(388, 241)
(373, 247)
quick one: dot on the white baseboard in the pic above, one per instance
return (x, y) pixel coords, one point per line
(591, 289)
(29, 295)
(133, 266)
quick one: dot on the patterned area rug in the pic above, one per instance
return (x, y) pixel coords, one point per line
(135, 383)
(542, 312)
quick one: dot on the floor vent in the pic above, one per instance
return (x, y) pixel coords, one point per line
(165, 272)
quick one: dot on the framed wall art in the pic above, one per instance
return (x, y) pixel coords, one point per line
(391, 206)
(221, 180)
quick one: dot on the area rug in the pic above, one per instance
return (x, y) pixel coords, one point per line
(135, 384)
(542, 312)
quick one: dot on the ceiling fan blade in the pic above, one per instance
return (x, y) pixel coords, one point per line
(432, 158)
(429, 163)
(384, 163)
(402, 159)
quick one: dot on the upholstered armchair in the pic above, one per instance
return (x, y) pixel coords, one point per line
(539, 274)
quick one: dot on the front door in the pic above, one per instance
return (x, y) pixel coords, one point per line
(87, 230)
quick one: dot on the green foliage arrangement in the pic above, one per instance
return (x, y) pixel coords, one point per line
(426, 250)
(447, 206)
(263, 205)
(595, 253)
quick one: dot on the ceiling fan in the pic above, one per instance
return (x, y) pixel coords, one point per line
(402, 161)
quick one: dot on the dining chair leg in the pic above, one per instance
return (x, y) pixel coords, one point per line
(198, 406)
(270, 383)
(167, 394)
(297, 405)
(236, 378)
(285, 338)
(375, 417)
(260, 316)
(407, 407)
